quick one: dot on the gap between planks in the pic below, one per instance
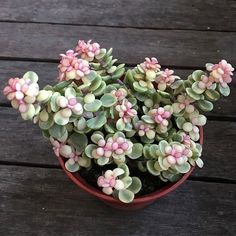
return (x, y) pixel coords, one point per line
(117, 27)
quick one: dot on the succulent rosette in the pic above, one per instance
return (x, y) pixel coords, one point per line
(124, 122)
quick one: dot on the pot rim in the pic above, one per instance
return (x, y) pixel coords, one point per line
(79, 181)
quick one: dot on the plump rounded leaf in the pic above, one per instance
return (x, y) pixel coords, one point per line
(180, 121)
(84, 161)
(125, 168)
(70, 92)
(151, 168)
(212, 95)
(61, 85)
(99, 91)
(126, 195)
(47, 124)
(196, 89)
(59, 119)
(137, 151)
(120, 125)
(184, 168)
(205, 105)
(147, 119)
(89, 149)
(162, 145)
(81, 124)
(78, 141)
(97, 136)
(108, 100)
(93, 106)
(57, 131)
(95, 83)
(225, 91)
(192, 94)
(127, 181)
(136, 185)
(72, 167)
(196, 75)
(102, 161)
(53, 102)
(138, 88)
(199, 163)
(32, 76)
(29, 114)
(98, 121)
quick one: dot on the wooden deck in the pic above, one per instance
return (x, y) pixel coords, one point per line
(36, 198)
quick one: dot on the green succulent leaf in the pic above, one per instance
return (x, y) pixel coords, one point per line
(53, 103)
(137, 151)
(192, 94)
(162, 145)
(97, 136)
(78, 141)
(184, 168)
(147, 119)
(59, 119)
(89, 149)
(127, 181)
(225, 91)
(62, 85)
(205, 105)
(120, 125)
(57, 131)
(96, 83)
(125, 168)
(138, 88)
(44, 125)
(70, 92)
(98, 121)
(136, 185)
(196, 89)
(180, 121)
(32, 76)
(29, 114)
(99, 91)
(102, 161)
(93, 106)
(118, 73)
(126, 195)
(108, 100)
(72, 167)
(212, 95)
(151, 168)
(196, 75)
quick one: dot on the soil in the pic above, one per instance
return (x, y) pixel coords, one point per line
(150, 183)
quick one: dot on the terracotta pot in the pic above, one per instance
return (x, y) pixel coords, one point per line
(138, 202)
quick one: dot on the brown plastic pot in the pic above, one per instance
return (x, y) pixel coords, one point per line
(138, 202)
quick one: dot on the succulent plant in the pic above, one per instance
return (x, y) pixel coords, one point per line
(143, 119)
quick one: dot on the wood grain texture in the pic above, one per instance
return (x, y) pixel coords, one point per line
(22, 142)
(181, 14)
(38, 201)
(48, 72)
(131, 46)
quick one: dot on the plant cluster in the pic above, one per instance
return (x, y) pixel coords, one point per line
(143, 118)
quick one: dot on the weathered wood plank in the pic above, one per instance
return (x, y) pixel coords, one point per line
(60, 208)
(184, 14)
(48, 73)
(175, 47)
(22, 142)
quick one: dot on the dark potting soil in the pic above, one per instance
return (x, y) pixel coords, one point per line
(150, 183)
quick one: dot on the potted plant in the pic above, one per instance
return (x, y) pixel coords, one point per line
(127, 137)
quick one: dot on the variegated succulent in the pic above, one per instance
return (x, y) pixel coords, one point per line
(143, 119)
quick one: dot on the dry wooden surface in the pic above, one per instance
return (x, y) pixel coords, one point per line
(36, 198)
